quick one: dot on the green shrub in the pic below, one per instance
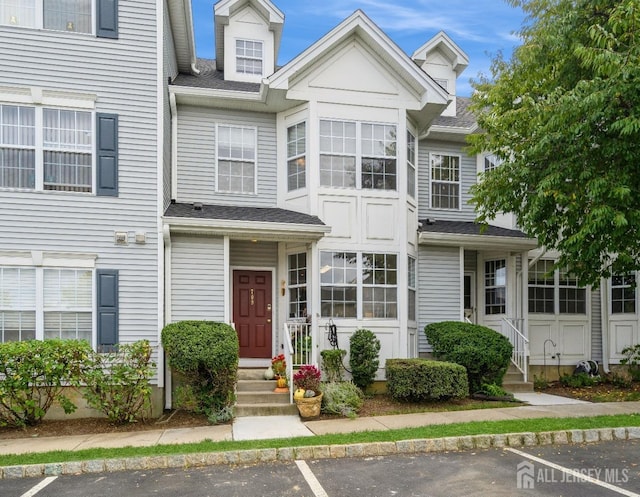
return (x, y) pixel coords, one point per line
(421, 379)
(540, 383)
(632, 361)
(33, 374)
(332, 364)
(118, 383)
(342, 398)
(493, 390)
(364, 347)
(206, 354)
(484, 352)
(578, 380)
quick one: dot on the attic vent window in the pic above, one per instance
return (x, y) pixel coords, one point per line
(249, 57)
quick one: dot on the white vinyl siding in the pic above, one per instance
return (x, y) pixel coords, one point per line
(122, 76)
(197, 275)
(439, 296)
(197, 155)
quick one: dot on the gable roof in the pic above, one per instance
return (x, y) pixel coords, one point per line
(360, 25)
(224, 9)
(441, 41)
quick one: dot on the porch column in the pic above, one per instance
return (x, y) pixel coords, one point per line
(313, 298)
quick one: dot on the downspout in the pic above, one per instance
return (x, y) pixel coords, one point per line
(190, 36)
(166, 236)
(604, 322)
(174, 146)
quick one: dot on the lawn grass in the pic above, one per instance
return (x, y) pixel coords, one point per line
(430, 431)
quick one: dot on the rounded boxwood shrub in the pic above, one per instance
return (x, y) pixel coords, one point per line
(206, 354)
(484, 352)
(421, 379)
(364, 347)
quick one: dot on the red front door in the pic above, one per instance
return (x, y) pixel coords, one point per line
(252, 312)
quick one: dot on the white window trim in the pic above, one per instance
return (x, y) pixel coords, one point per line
(459, 182)
(622, 315)
(557, 286)
(359, 285)
(261, 59)
(412, 165)
(39, 148)
(297, 156)
(39, 21)
(358, 155)
(255, 160)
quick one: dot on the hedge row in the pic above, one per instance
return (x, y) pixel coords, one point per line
(422, 379)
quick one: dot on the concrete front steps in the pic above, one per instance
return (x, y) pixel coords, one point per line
(255, 396)
(513, 381)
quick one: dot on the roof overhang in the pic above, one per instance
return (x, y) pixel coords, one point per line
(456, 56)
(181, 20)
(483, 242)
(450, 133)
(248, 230)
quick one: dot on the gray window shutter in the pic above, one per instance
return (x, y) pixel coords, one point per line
(107, 307)
(107, 19)
(107, 158)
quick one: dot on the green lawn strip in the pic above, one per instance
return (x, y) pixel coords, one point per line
(431, 431)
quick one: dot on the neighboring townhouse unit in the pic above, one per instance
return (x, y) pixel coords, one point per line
(79, 160)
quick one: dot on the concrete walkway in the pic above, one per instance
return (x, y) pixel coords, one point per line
(254, 428)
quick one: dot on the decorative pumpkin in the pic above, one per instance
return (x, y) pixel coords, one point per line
(309, 394)
(281, 382)
(269, 374)
(299, 393)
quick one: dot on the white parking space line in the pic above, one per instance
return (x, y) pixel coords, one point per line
(313, 482)
(39, 487)
(576, 474)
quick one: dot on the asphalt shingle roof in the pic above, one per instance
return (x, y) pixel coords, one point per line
(467, 228)
(464, 117)
(210, 77)
(230, 212)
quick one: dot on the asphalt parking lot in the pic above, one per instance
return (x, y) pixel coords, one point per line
(604, 469)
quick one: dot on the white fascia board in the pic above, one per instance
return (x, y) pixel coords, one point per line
(452, 130)
(247, 228)
(260, 96)
(476, 241)
(358, 20)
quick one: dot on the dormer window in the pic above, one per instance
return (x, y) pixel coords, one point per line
(249, 56)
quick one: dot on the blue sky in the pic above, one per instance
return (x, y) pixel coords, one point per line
(481, 28)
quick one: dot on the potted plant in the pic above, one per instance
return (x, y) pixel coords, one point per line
(279, 366)
(308, 397)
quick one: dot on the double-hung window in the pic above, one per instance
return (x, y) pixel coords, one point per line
(495, 286)
(358, 285)
(236, 159)
(298, 285)
(445, 181)
(75, 16)
(411, 164)
(17, 304)
(296, 156)
(623, 294)
(43, 148)
(411, 269)
(358, 155)
(249, 57)
(554, 291)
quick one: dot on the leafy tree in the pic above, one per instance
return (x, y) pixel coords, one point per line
(564, 115)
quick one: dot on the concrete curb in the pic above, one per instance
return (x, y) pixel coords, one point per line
(526, 439)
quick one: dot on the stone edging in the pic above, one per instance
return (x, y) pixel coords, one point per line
(527, 439)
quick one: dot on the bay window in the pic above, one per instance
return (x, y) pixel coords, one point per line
(554, 291)
(358, 285)
(296, 156)
(358, 155)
